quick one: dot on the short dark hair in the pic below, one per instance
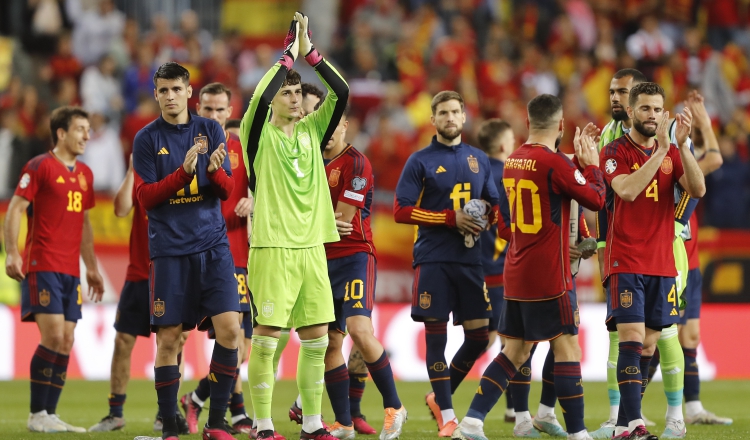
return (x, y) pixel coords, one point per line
(541, 110)
(233, 123)
(172, 70)
(444, 96)
(61, 117)
(292, 78)
(645, 88)
(312, 89)
(637, 76)
(216, 88)
(489, 131)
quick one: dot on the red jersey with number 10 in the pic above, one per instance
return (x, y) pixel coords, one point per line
(350, 181)
(540, 185)
(59, 197)
(139, 257)
(236, 225)
(640, 233)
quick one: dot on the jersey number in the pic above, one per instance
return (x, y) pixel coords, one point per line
(193, 190)
(74, 201)
(672, 296)
(357, 290)
(241, 287)
(295, 164)
(653, 191)
(515, 200)
(460, 195)
(80, 298)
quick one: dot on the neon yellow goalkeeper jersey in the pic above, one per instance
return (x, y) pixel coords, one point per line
(287, 175)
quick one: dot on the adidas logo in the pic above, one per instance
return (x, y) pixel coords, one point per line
(440, 170)
(321, 381)
(212, 377)
(163, 151)
(357, 305)
(635, 167)
(479, 391)
(262, 386)
(60, 180)
(673, 312)
(611, 365)
(675, 370)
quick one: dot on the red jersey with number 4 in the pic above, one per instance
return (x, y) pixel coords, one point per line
(139, 257)
(640, 233)
(59, 197)
(540, 184)
(350, 181)
(236, 225)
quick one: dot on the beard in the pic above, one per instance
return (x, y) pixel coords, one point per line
(619, 115)
(450, 133)
(642, 129)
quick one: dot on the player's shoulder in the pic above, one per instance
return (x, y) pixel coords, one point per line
(147, 131)
(200, 123)
(618, 145)
(39, 162)
(80, 166)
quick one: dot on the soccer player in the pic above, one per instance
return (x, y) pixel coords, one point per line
(182, 175)
(434, 186)
(213, 103)
(709, 160)
(352, 270)
(287, 271)
(540, 183)
(642, 173)
(56, 192)
(312, 98)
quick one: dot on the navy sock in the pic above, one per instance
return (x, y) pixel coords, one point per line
(492, 385)
(622, 419)
(337, 385)
(645, 364)
(357, 383)
(520, 385)
(203, 390)
(509, 400)
(116, 401)
(629, 378)
(692, 380)
(57, 382)
(549, 396)
(167, 383)
(656, 358)
(436, 338)
(40, 375)
(475, 343)
(222, 372)
(569, 388)
(237, 405)
(382, 375)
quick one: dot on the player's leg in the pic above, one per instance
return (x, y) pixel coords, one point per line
(673, 375)
(473, 311)
(241, 421)
(337, 385)
(223, 369)
(498, 302)
(167, 376)
(520, 386)
(545, 419)
(52, 330)
(358, 376)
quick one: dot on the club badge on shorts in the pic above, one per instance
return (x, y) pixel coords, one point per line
(159, 308)
(203, 142)
(44, 298)
(626, 298)
(425, 300)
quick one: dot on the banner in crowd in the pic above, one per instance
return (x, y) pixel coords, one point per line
(720, 354)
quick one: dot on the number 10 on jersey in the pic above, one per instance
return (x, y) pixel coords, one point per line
(516, 192)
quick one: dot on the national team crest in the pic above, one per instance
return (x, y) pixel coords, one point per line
(333, 179)
(82, 182)
(425, 300)
(44, 298)
(304, 140)
(234, 160)
(159, 308)
(666, 165)
(577, 318)
(626, 298)
(203, 142)
(267, 309)
(473, 164)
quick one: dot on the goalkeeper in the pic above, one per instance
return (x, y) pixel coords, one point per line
(287, 269)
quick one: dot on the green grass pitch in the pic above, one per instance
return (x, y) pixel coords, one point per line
(84, 403)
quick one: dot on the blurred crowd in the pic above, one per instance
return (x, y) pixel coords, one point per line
(395, 54)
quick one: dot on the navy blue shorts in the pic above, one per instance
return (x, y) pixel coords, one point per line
(649, 299)
(442, 288)
(693, 295)
(535, 321)
(190, 289)
(240, 273)
(133, 314)
(498, 304)
(53, 293)
(353, 284)
(609, 321)
(247, 324)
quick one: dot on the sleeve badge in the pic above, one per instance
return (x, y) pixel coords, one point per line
(359, 183)
(610, 166)
(25, 180)
(579, 178)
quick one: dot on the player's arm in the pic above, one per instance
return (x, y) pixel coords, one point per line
(219, 170)
(503, 218)
(124, 197)
(408, 190)
(586, 187)
(150, 191)
(358, 182)
(93, 277)
(692, 178)
(712, 160)
(11, 230)
(491, 195)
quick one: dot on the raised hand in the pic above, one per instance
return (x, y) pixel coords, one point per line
(592, 131)
(697, 106)
(662, 133)
(585, 148)
(291, 44)
(191, 159)
(304, 35)
(217, 158)
(682, 130)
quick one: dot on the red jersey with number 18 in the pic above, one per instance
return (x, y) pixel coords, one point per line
(236, 225)
(540, 184)
(59, 197)
(640, 233)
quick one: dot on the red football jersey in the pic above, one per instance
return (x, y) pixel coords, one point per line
(139, 256)
(58, 197)
(540, 184)
(640, 233)
(350, 181)
(236, 226)
(691, 246)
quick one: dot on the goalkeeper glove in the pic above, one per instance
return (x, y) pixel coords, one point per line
(306, 47)
(291, 45)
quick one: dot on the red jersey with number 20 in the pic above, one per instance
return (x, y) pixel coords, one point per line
(350, 181)
(640, 233)
(236, 225)
(540, 185)
(139, 256)
(59, 197)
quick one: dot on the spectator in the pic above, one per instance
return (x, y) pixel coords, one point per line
(44, 21)
(104, 155)
(190, 28)
(64, 64)
(12, 150)
(728, 190)
(146, 111)
(96, 31)
(100, 90)
(649, 46)
(28, 111)
(138, 77)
